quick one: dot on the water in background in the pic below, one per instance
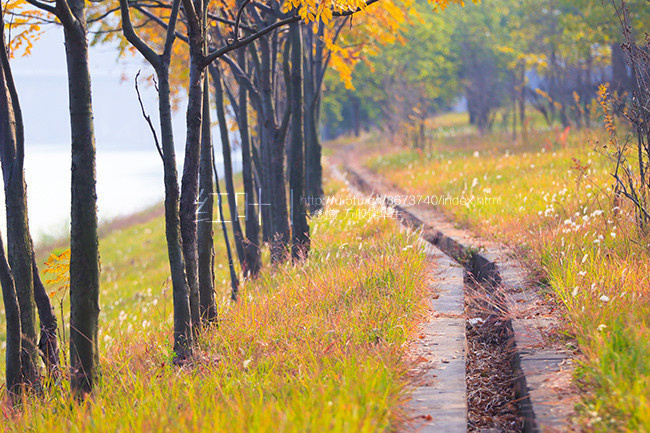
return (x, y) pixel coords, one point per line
(129, 169)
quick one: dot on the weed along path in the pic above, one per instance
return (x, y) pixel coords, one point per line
(487, 356)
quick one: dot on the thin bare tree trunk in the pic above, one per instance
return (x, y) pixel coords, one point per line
(226, 153)
(13, 367)
(234, 281)
(13, 373)
(273, 187)
(84, 248)
(252, 244)
(312, 83)
(180, 288)
(18, 239)
(299, 227)
(160, 62)
(190, 183)
(205, 216)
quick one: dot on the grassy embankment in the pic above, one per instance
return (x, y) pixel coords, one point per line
(551, 199)
(313, 347)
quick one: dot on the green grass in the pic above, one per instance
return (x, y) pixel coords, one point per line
(313, 347)
(551, 200)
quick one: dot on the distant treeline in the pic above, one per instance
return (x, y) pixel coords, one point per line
(548, 55)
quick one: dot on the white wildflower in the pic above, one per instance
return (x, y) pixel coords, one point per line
(476, 321)
(604, 298)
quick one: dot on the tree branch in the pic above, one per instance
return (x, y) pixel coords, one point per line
(171, 31)
(131, 36)
(148, 119)
(238, 18)
(162, 24)
(44, 6)
(64, 13)
(241, 42)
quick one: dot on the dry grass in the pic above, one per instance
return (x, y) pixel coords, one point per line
(313, 347)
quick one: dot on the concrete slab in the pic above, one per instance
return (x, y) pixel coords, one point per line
(439, 403)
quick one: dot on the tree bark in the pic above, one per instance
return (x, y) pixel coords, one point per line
(234, 281)
(205, 217)
(273, 189)
(227, 168)
(299, 227)
(180, 288)
(84, 251)
(13, 370)
(190, 183)
(521, 97)
(18, 240)
(251, 221)
(313, 167)
(48, 343)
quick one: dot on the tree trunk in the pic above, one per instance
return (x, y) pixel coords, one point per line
(227, 168)
(48, 343)
(180, 289)
(205, 216)
(13, 349)
(313, 152)
(521, 96)
(190, 183)
(273, 186)
(620, 76)
(234, 281)
(14, 353)
(299, 226)
(252, 243)
(18, 239)
(84, 251)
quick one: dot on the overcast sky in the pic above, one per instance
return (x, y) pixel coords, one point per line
(42, 86)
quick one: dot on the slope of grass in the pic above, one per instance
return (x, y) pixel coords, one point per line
(311, 347)
(552, 201)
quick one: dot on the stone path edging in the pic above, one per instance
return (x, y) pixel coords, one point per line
(537, 368)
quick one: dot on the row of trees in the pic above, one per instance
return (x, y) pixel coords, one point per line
(264, 64)
(548, 54)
